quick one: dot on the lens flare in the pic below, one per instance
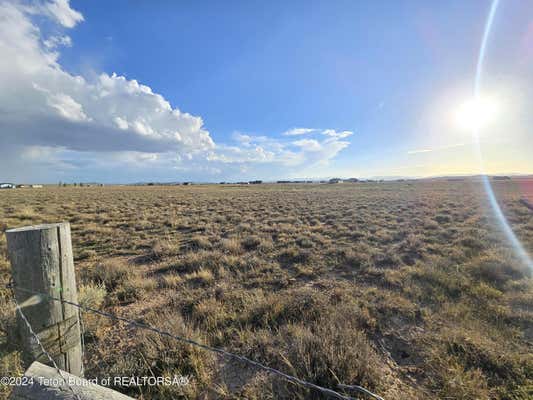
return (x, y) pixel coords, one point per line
(477, 113)
(476, 130)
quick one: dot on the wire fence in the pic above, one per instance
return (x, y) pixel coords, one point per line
(39, 343)
(220, 351)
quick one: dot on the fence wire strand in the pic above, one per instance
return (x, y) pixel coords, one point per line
(225, 353)
(43, 350)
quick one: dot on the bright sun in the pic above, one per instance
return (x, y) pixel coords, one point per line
(476, 113)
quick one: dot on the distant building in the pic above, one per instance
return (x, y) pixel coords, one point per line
(36, 186)
(5, 185)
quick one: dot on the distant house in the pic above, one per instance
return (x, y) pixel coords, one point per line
(36, 186)
(22, 186)
(5, 185)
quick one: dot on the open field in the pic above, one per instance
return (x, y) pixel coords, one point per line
(406, 288)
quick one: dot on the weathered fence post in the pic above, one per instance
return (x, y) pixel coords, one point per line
(41, 261)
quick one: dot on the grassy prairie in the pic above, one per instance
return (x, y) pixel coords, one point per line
(405, 288)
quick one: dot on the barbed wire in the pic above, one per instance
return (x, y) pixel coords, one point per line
(274, 371)
(43, 350)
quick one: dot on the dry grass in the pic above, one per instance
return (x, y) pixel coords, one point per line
(405, 288)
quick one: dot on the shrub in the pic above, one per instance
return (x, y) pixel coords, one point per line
(199, 242)
(304, 242)
(109, 273)
(293, 254)
(356, 258)
(442, 218)
(171, 281)
(153, 355)
(325, 352)
(251, 242)
(164, 248)
(134, 288)
(231, 245)
(194, 261)
(453, 381)
(92, 295)
(497, 270)
(200, 277)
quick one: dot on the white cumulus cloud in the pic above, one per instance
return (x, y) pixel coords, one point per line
(66, 107)
(121, 123)
(56, 41)
(59, 10)
(42, 104)
(57, 124)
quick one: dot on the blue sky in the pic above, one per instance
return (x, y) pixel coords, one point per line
(373, 86)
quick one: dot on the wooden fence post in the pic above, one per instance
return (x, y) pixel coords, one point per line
(41, 261)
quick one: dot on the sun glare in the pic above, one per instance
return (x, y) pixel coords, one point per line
(477, 113)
